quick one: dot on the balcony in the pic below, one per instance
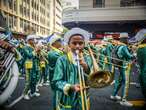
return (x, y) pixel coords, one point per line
(105, 14)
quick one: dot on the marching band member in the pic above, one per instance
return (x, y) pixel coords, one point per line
(43, 66)
(102, 55)
(54, 53)
(66, 79)
(55, 42)
(21, 62)
(108, 52)
(140, 38)
(123, 79)
(30, 66)
(37, 60)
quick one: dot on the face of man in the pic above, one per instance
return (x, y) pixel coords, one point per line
(76, 43)
(57, 44)
(124, 40)
(31, 41)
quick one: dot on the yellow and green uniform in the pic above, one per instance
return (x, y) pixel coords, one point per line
(124, 71)
(31, 66)
(53, 55)
(141, 58)
(66, 73)
(43, 66)
(108, 54)
(21, 62)
(102, 58)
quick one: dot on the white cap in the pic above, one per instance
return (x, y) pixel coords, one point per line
(30, 37)
(124, 35)
(54, 38)
(74, 31)
(109, 37)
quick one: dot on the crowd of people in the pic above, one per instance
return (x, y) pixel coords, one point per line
(55, 63)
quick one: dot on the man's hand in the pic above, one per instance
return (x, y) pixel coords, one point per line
(82, 62)
(76, 87)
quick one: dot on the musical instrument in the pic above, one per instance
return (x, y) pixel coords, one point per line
(41, 53)
(98, 78)
(9, 72)
(98, 60)
(85, 105)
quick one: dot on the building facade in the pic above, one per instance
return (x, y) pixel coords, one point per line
(32, 16)
(106, 15)
(70, 4)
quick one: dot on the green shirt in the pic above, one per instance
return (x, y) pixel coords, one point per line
(67, 73)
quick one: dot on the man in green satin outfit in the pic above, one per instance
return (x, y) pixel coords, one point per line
(140, 38)
(122, 81)
(55, 52)
(108, 52)
(66, 76)
(21, 62)
(102, 55)
(30, 56)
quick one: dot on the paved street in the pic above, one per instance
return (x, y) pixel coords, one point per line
(99, 99)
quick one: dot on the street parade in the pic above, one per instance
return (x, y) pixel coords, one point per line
(73, 70)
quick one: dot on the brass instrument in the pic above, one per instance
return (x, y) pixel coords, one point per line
(41, 53)
(85, 105)
(97, 59)
(98, 78)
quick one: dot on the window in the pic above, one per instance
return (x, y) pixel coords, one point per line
(15, 21)
(32, 3)
(58, 9)
(10, 2)
(37, 6)
(48, 5)
(28, 12)
(98, 3)
(27, 1)
(37, 28)
(125, 3)
(21, 9)
(21, 23)
(58, 23)
(35, 17)
(48, 14)
(7, 18)
(0, 3)
(25, 13)
(32, 15)
(10, 22)
(5, 2)
(59, 2)
(58, 16)
(15, 6)
(48, 23)
(25, 27)
(42, 2)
